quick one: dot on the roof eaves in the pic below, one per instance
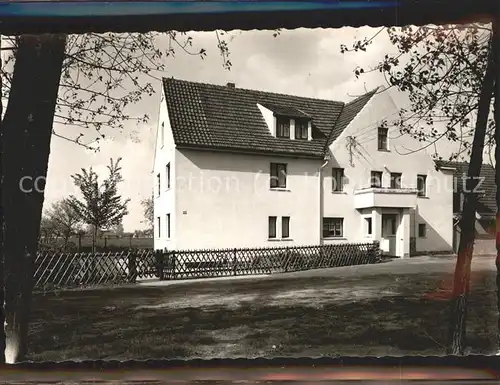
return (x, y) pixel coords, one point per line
(248, 151)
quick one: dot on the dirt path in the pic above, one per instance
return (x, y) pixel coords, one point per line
(394, 308)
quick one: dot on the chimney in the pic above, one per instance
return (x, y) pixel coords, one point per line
(231, 85)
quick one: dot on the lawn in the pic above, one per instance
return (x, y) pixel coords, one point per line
(394, 308)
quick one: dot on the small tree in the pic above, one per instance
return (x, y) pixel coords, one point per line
(118, 230)
(101, 206)
(148, 207)
(63, 220)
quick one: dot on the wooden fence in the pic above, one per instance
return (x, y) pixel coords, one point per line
(65, 270)
(58, 270)
(216, 263)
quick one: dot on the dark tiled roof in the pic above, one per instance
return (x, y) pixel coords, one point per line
(487, 201)
(220, 117)
(348, 113)
(286, 111)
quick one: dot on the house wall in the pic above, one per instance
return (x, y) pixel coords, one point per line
(360, 156)
(164, 200)
(224, 200)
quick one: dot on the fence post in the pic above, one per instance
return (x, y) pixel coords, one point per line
(376, 251)
(106, 242)
(79, 242)
(174, 275)
(287, 257)
(130, 241)
(158, 264)
(234, 261)
(132, 266)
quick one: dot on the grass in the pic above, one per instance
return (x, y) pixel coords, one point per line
(319, 314)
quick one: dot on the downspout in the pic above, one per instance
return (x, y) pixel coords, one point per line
(321, 200)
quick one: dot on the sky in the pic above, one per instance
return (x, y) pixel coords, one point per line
(305, 62)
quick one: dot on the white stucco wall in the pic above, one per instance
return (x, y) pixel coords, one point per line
(164, 203)
(224, 200)
(435, 210)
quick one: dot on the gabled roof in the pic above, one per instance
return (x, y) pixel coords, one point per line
(487, 201)
(225, 118)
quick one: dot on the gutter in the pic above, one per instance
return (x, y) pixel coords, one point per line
(321, 198)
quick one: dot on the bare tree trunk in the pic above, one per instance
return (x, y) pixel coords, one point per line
(94, 238)
(26, 129)
(496, 114)
(2, 281)
(461, 283)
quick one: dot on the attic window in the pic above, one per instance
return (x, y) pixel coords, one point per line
(301, 128)
(282, 127)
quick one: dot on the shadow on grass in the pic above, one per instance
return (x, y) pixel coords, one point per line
(109, 324)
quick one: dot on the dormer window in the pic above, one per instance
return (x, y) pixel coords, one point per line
(282, 127)
(301, 128)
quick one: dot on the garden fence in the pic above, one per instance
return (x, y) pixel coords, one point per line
(64, 270)
(76, 269)
(224, 262)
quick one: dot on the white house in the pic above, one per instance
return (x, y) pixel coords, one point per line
(245, 168)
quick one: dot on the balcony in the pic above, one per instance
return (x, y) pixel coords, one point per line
(385, 197)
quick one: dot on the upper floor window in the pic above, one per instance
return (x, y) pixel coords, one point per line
(158, 184)
(301, 128)
(278, 175)
(167, 171)
(338, 179)
(422, 185)
(376, 179)
(396, 180)
(282, 127)
(382, 138)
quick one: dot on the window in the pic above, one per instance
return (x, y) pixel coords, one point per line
(382, 138)
(368, 228)
(158, 224)
(301, 128)
(278, 175)
(158, 185)
(422, 230)
(376, 179)
(282, 127)
(457, 202)
(333, 227)
(421, 185)
(285, 227)
(396, 180)
(168, 175)
(272, 227)
(338, 179)
(168, 225)
(162, 133)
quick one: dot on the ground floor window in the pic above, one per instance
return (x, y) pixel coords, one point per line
(368, 225)
(421, 230)
(272, 227)
(333, 227)
(285, 227)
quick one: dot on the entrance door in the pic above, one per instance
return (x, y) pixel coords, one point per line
(389, 228)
